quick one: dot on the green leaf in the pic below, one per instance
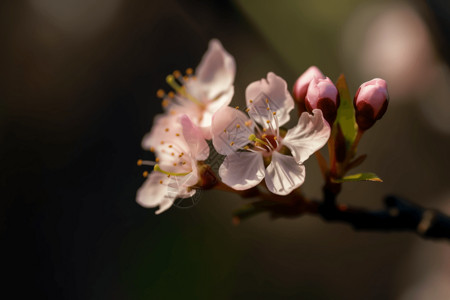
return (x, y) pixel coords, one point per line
(346, 112)
(359, 177)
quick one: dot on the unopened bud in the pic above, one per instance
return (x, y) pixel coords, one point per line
(302, 83)
(322, 94)
(371, 101)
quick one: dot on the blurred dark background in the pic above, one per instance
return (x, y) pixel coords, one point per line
(77, 93)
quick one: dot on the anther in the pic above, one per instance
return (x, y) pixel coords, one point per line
(237, 107)
(247, 109)
(152, 149)
(251, 101)
(177, 134)
(274, 113)
(238, 126)
(160, 93)
(139, 162)
(232, 143)
(145, 174)
(176, 73)
(248, 123)
(165, 103)
(162, 142)
(189, 71)
(173, 154)
(160, 182)
(167, 129)
(267, 100)
(268, 108)
(170, 146)
(171, 94)
(157, 159)
(268, 122)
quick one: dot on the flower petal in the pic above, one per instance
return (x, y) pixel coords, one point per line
(194, 138)
(211, 108)
(284, 174)
(230, 130)
(310, 134)
(165, 129)
(279, 100)
(242, 170)
(216, 71)
(153, 193)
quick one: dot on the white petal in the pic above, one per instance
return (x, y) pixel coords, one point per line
(193, 135)
(284, 174)
(242, 170)
(229, 130)
(216, 71)
(211, 108)
(280, 100)
(310, 134)
(152, 193)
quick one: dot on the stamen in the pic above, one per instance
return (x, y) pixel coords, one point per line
(160, 182)
(157, 168)
(170, 79)
(238, 126)
(177, 134)
(141, 162)
(253, 138)
(171, 94)
(145, 174)
(167, 129)
(189, 71)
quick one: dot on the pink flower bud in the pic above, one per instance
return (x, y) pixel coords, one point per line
(322, 94)
(371, 101)
(302, 83)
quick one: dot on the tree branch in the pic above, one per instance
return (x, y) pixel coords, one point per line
(399, 215)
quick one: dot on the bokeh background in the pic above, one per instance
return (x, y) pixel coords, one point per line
(77, 93)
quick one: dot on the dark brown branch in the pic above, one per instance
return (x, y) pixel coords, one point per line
(398, 215)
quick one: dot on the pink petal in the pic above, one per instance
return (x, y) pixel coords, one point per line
(165, 128)
(193, 135)
(152, 193)
(284, 174)
(216, 71)
(310, 134)
(211, 108)
(229, 130)
(242, 170)
(280, 100)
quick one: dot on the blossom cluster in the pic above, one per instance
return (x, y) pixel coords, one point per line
(253, 140)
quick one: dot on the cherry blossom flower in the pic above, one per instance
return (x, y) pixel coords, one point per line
(178, 145)
(256, 147)
(201, 94)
